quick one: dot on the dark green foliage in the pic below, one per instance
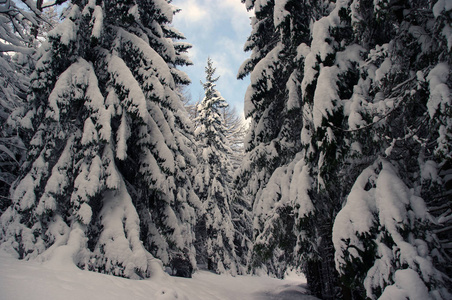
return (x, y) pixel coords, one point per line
(109, 158)
(360, 81)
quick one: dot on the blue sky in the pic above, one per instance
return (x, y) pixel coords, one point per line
(219, 29)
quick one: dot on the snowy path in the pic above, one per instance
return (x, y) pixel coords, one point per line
(21, 280)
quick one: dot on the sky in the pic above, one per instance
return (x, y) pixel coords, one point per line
(217, 29)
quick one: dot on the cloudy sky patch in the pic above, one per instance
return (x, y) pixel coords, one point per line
(217, 29)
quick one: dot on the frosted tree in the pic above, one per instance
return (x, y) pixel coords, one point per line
(240, 205)
(16, 49)
(364, 89)
(236, 129)
(276, 174)
(105, 182)
(360, 102)
(403, 102)
(272, 139)
(383, 240)
(331, 63)
(215, 231)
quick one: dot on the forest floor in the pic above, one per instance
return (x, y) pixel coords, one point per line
(28, 280)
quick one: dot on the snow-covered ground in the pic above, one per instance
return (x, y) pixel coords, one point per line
(25, 280)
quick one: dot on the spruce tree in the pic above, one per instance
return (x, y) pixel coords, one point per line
(362, 89)
(383, 240)
(17, 45)
(273, 106)
(403, 101)
(212, 181)
(105, 184)
(276, 175)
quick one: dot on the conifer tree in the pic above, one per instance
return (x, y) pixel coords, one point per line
(274, 104)
(105, 183)
(212, 181)
(358, 101)
(383, 240)
(403, 101)
(17, 45)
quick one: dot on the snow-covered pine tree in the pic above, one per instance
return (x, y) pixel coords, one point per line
(16, 49)
(383, 241)
(330, 72)
(236, 128)
(298, 198)
(352, 107)
(105, 181)
(240, 205)
(348, 93)
(215, 230)
(272, 103)
(403, 102)
(278, 170)
(242, 220)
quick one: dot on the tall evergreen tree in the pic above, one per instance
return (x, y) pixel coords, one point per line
(105, 182)
(274, 104)
(355, 99)
(236, 128)
(212, 181)
(403, 101)
(17, 45)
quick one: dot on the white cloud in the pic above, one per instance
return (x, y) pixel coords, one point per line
(233, 48)
(236, 5)
(208, 11)
(192, 11)
(223, 65)
(193, 54)
(235, 11)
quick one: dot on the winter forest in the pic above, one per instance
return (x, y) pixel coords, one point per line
(341, 169)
